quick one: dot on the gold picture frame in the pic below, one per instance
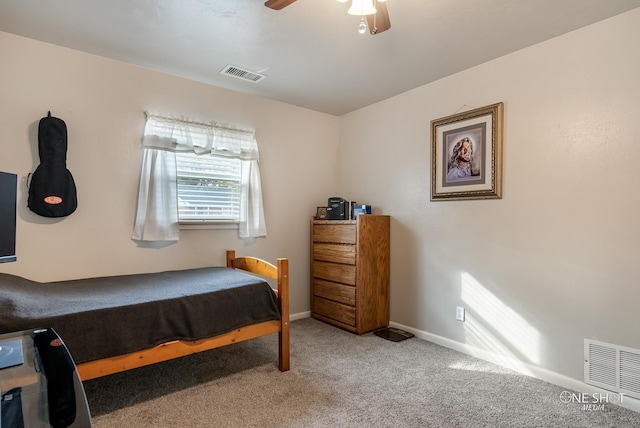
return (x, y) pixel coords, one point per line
(466, 155)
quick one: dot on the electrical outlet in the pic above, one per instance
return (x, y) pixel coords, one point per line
(460, 313)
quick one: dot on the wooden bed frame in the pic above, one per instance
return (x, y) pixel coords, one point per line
(179, 348)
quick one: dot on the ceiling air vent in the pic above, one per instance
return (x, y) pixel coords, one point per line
(240, 73)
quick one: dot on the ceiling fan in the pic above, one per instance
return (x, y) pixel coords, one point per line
(376, 22)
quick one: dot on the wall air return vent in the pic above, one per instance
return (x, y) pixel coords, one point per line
(240, 73)
(612, 367)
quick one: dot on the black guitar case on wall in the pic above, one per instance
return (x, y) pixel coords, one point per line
(52, 191)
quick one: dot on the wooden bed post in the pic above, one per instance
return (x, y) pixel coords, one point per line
(230, 256)
(281, 274)
(283, 300)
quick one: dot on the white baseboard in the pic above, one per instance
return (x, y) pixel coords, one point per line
(299, 316)
(574, 385)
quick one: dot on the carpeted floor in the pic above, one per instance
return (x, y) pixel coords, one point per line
(337, 379)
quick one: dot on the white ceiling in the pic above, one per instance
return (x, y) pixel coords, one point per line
(311, 50)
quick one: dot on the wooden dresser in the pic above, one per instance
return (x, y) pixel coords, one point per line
(350, 272)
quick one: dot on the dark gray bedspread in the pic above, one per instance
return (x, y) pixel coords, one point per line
(108, 316)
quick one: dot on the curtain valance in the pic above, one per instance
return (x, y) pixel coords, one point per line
(188, 135)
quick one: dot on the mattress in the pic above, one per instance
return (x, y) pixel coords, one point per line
(108, 316)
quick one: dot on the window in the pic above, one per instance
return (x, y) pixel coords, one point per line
(197, 172)
(208, 188)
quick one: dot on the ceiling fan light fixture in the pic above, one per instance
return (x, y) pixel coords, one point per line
(362, 27)
(361, 8)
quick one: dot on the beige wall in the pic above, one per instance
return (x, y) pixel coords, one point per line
(557, 259)
(102, 102)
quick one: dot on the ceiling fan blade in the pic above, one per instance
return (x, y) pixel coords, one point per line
(379, 21)
(278, 4)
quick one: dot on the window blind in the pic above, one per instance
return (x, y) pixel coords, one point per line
(208, 188)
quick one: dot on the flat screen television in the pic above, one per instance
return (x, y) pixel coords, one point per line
(8, 193)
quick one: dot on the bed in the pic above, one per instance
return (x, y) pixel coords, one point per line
(118, 323)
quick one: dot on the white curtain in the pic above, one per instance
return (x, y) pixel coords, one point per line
(157, 213)
(252, 222)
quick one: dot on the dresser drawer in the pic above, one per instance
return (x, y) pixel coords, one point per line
(337, 292)
(335, 272)
(337, 311)
(336, 253)
(336, 233)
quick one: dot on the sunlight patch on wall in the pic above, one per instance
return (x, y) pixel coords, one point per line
(478, 337)
(495, 326)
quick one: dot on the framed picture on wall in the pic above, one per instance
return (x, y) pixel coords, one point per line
(466, 155)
